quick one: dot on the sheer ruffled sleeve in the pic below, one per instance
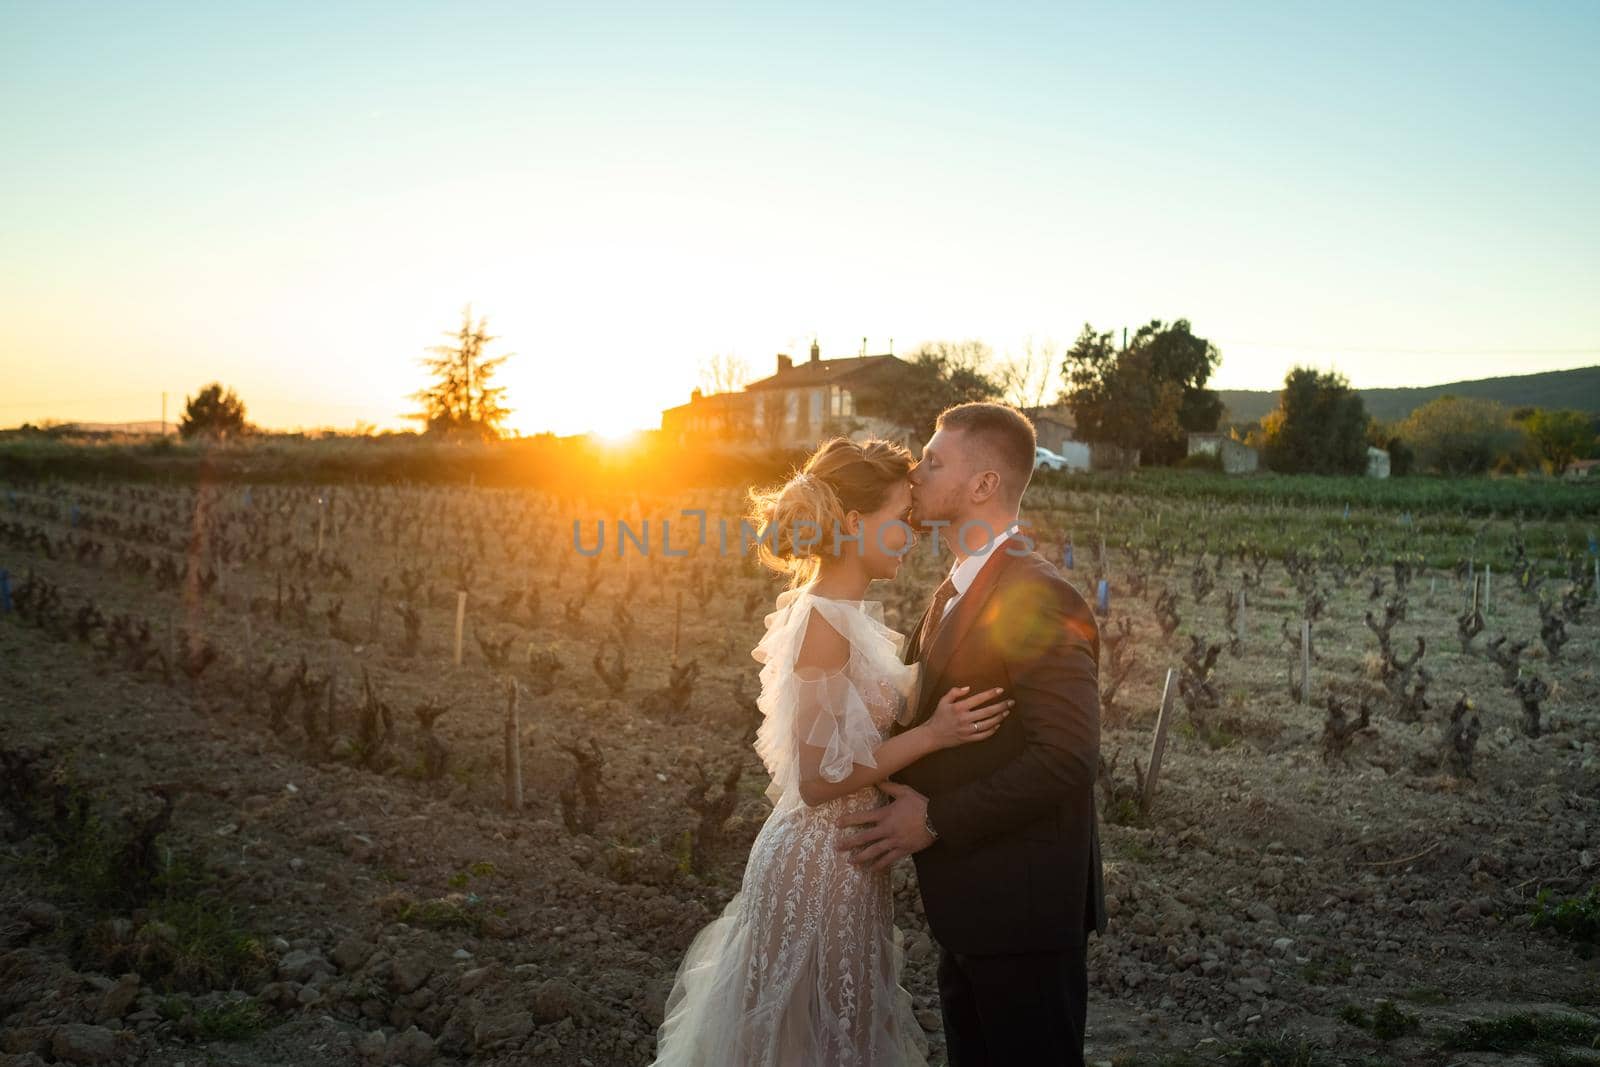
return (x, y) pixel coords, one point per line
(833, 730)
(815, 724)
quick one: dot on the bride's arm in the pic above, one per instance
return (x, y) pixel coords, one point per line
(959, 719)
(897, 753)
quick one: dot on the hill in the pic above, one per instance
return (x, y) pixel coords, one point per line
(1578, 389)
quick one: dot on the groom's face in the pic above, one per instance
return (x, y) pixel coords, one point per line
(940, 482)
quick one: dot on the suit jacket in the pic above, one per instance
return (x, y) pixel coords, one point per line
(1016, 867)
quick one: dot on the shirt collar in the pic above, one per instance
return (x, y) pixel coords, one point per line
(962, 572)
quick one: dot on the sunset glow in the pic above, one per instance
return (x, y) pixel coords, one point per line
(298, 201)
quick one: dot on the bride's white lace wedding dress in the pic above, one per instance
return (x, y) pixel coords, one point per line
(802, 969)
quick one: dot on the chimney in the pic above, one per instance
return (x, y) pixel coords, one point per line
(816, 351)
(784, 363)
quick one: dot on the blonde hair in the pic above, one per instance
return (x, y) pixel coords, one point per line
(841, 476)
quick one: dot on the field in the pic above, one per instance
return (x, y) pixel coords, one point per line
(243, 766)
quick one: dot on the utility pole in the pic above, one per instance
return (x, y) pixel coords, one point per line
(163, 414)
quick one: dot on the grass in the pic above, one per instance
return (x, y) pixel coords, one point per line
(1279, 1051)
(1575, 918)
(482, 869)
(207, 948)
(1214, 736)
(1137, 851)
(237, 1019)
(1384, 1022)
(441, 915)
(188, 936)
(1337, 968)
(1125, 811)
(234, 1019)
(1556, 1040)
(1458, 498)
(454, 912)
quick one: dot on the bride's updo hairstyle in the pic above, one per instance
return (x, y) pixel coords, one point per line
(795, 521)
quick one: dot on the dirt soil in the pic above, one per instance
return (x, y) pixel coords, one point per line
(403, 915)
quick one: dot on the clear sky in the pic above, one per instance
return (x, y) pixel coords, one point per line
(297, 199)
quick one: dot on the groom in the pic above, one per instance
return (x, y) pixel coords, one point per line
(1003, 832)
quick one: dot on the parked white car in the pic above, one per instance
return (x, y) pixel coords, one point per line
(1046, 460)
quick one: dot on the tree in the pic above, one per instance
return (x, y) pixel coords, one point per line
(1114, 397)
(1178, 356)
(1025, 380)
(460, 399)
(1319, 426)
(213, 413)
(1460, 435)
(1556, 438)
(723, 373)
(1117, 397)
(942, 373)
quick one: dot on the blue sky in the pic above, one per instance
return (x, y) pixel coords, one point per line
(298, 199)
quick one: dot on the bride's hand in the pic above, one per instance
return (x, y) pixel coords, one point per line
(961, 719)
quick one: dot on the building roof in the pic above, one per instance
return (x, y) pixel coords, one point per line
(1060, 414)
(823, 372)
(697, 399)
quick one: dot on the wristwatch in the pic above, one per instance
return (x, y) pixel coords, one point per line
(927, 824)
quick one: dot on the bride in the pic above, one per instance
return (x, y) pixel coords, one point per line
(802, 969)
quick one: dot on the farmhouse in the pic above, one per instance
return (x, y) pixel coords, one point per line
(798, 406)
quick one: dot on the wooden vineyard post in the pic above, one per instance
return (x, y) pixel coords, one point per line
(677, 627)
(1238, 617)
(513, 750)
(1304, 661)
(322, 509)
(1158, 744)
(461, 619)
(1488, 601)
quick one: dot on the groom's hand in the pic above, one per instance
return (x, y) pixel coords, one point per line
(890, 833)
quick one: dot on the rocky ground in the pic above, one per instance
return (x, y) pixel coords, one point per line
(1272, 904)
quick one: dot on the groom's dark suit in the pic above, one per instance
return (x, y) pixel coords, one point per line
(1013, 885)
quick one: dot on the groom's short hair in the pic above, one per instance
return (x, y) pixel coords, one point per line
(1006, 432)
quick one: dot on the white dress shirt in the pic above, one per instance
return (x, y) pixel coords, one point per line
(964, 571)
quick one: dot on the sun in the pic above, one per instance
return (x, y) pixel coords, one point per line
(616, 436)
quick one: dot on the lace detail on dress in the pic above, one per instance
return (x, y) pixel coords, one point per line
(802, 969)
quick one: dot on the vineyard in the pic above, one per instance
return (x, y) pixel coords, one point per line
(296, 774)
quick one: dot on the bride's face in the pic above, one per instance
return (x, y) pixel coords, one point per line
(886, 536)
